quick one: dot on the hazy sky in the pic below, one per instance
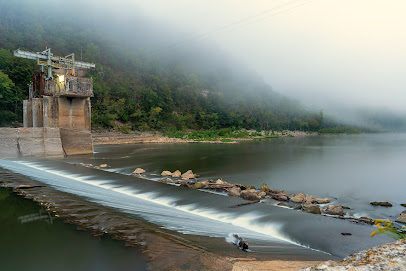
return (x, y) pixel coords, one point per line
(340, 51)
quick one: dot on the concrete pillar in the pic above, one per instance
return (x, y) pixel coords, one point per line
(72, 113)
(37, 112)
(88, 114)
(27, 113)
(50, 112)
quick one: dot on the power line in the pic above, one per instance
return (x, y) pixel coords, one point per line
(245, 21)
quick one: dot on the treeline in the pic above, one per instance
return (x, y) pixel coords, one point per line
(133, 89)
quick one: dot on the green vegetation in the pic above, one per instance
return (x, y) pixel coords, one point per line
(387, 227)
(340, 130)
(190, 90)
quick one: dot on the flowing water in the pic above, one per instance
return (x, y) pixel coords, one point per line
(351, 170)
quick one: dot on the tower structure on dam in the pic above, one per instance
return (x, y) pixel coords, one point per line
(58, 98)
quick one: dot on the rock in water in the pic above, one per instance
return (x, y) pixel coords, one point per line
(299, 198)
(103, 165)
(262, 194)
(198, 185)
(234, 192)
(138, 171)
(166, 173)
(402, 218)
(381, 203)
(310, 199)
(312, 208)
(335, 210)
(176, 174)
(265, 188)
(323, 201)
(248, 195)
(403, 204)
(188, 175)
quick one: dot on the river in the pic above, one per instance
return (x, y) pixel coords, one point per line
(352, 170)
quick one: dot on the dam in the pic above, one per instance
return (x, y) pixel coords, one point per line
(57, 113)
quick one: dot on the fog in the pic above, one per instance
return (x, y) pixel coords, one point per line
(324, 53)
(329, 54)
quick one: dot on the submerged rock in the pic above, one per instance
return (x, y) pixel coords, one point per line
(381, 203)
(334, 210)
(248, 195)
(166, 173)
(298, 198)
(284, 204)
(402, 218)
(234, 192)
(312, 208)
(176, 174)
(138, 171)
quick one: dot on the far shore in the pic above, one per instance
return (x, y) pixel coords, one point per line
(116, 137)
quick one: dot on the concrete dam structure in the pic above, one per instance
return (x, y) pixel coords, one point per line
(57, 114)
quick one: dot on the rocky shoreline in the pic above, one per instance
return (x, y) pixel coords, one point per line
(114, 137)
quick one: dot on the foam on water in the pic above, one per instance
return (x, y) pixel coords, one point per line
(165, 211)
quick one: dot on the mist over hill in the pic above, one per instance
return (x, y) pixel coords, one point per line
(147, 75)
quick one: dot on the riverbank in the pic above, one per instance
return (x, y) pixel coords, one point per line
(102, 137)
(166, 250)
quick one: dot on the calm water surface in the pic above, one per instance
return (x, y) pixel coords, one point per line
(47, 243)
(352, 170)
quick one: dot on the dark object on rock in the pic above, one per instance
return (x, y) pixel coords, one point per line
(335, 210)
(243, 204)
(248, 195)
(403, 204)
(381, 203)
(240, 242)
(346, 233)
(346, 207)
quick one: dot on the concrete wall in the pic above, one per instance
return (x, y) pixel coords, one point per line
(37, 112)
(27, 113)
(51, 112)
(76, 141)
(40, 142)
(72, 113)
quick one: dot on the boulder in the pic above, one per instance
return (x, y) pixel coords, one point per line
(176, 174)
(312, 208)
(381, 203)
(198, 185)
(265, 188)
(188, 175)
(234, 192)
(367, 220)
(104, 165)
(138, 171)
(248, 195)
(298, 198)
(334, 210)
(220, 181)
(251, 187)
(166, 173)
(284, 204)
(167, 180)
(402, 218)
(310, 199)
(261, 194)
(323, 201)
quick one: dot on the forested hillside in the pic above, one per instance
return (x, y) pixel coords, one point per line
(174, 89)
